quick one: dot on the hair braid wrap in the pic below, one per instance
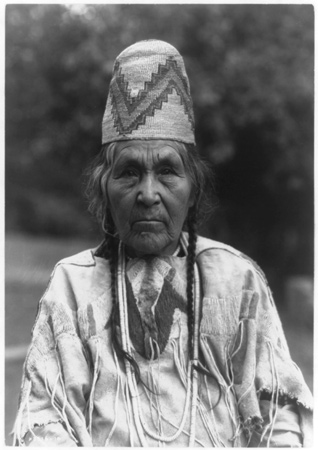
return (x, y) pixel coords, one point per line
(192, 228)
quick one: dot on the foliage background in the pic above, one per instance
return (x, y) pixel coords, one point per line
(251, 74)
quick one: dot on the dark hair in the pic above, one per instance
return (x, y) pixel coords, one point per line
(201, 177)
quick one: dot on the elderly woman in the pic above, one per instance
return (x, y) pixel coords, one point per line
(158, 336)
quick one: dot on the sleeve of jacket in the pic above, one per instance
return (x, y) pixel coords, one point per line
(56, 376)
(261, 358)
(242, 328)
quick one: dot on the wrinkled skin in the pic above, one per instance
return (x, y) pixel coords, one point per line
(149, 194)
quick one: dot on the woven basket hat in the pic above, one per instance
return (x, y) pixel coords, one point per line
(149, 96)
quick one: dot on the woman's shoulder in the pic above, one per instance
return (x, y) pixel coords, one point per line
(205, 244)
(81, 269)
(78, 279)
(225, 256)
(84, 258)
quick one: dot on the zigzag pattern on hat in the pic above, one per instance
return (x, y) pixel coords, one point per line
(130, 112)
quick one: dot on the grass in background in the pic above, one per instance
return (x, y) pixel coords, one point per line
(29, 263)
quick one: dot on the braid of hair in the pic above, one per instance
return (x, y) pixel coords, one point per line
(192, 228)
(112, 257)
(111, 253)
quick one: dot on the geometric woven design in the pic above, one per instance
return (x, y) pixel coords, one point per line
(149, 95)
(154, 291)
(130, 112)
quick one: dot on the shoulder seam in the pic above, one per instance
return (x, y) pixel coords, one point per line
(239, 255)
(227, 249)
(77, 259)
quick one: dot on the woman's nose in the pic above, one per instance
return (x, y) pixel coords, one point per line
(148, 191)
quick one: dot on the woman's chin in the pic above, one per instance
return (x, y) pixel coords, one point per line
(150, 244)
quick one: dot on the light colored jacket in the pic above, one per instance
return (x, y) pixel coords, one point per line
(75, 388)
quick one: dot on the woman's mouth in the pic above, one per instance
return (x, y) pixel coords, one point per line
(147, 225)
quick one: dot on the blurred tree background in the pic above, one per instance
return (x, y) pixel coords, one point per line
(251, 75)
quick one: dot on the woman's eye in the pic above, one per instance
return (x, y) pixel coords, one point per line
(167, 171)
(129, 173)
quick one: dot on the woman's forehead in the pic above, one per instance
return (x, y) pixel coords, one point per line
(154, 149)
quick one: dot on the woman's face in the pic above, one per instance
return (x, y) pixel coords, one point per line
(149, 194)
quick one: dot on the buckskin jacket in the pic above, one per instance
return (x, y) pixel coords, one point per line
(74, 387)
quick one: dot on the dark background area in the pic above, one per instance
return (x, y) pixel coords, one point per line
(251, 71)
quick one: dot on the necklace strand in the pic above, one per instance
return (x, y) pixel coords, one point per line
(192, 376)
(125, 339)
(195, 354)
